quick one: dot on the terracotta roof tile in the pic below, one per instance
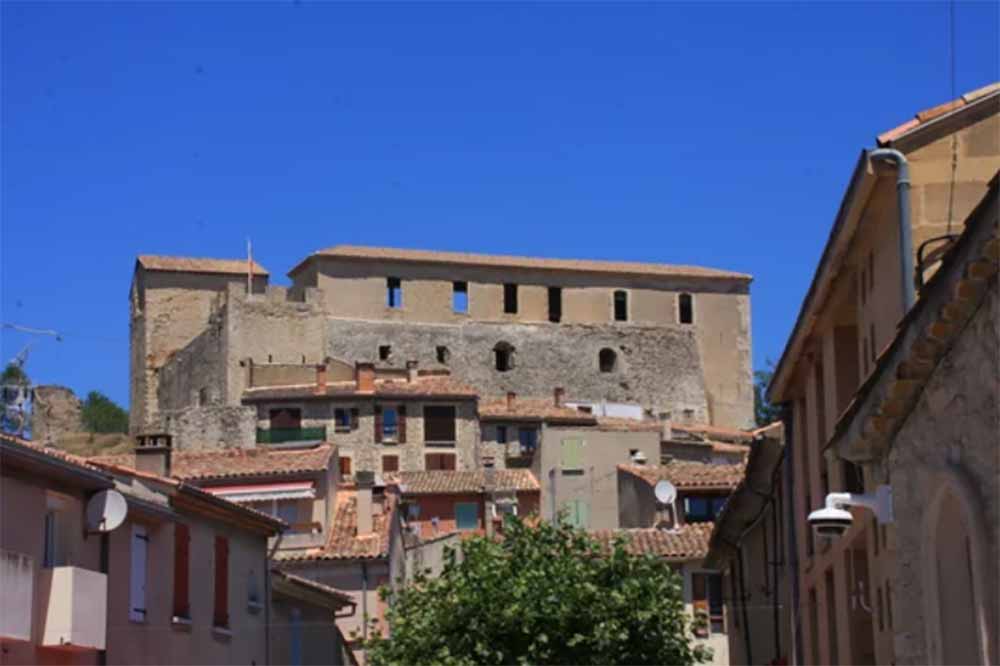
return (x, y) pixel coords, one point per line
(730, 435)
(535, 409)
(233, 463)
(446, 482)
(51, 452)
(627, 425)
(423, 387)
(504, 261)
(687, 542)
(934, 112)
(153, 262)
(690, 474)
(344, 542)
(340, 597)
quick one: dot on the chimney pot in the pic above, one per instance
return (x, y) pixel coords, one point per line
(320, 388)
(364, 377)
(557, 396)
(152, 453)
(365, 507)
(510, 399)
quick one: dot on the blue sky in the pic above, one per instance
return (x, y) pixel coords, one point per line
(714, 134)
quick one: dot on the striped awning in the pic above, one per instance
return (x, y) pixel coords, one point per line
(262, 492)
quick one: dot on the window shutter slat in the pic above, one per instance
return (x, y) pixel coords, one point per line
(221, 618)
(378, 424)
(402, 424)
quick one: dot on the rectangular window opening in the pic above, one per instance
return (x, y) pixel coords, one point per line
(182, 577)
(341, 419)
(466, 515)
(501, 434)
(685, 306)
(220, 615)
(621, 305)
(528, 439)
(394, 292)
(510, 298)
(460, 297)
(434, 462)
(555, 304)
(439, 424)
(390, 463)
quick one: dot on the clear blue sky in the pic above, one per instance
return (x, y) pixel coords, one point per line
(714, 134)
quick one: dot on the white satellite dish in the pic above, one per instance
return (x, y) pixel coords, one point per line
(665, 492)
(106, 510)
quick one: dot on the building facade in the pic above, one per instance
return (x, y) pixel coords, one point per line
(904, 205)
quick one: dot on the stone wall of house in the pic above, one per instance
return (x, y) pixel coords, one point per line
(56, 412)
(948, 441)
(213, 426)
(657, 366)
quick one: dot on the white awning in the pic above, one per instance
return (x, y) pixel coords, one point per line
(265, 492)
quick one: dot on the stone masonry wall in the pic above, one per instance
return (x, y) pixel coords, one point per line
(209, 427)
(56, 412)
(659, 367)
(954, 425)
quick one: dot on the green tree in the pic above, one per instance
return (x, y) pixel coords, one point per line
(764, 412)
(101, 414)
(546, 594)
(14, 374)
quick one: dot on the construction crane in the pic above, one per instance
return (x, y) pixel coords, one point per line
(16, 394)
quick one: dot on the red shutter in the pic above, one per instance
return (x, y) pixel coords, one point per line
(378, 424)
(402, 424)
(221, 618)
(448, 462)
(182, 576)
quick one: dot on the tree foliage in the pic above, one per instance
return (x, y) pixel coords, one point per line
(764, 412)
(14, 374)
(100, 414)
(546, 594)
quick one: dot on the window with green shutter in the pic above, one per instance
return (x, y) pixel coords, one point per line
(466, 515)
(572, 455)
(577, 513)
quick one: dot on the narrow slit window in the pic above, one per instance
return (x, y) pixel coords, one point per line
(384, 352)
(685, 305)
(621, 305)
(503, 357)
(555, 304)
(443, 355)
(607, 360)
(394, 292)
(510, 298)
(460, 297)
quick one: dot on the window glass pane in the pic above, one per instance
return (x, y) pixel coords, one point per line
(390, 422)
(394, 293)
(288, 511)
(342, 418)
(466, 516)
(528, 438)
(501, 434)
(696, 509)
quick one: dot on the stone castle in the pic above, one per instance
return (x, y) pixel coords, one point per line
(207, 335)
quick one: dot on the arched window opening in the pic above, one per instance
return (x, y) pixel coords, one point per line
(685, 304)
(621, 305)
(607, 360)
(503, 356)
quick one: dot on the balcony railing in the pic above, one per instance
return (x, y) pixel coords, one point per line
(282, 435)
(17, 580)
(73, 607)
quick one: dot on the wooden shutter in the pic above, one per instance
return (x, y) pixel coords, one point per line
(182, 575)
(571, 454)
(439, 424)
(221, 617)
(401, 424)
(137, 579)
(354, 418)
(448, 462)
(378, 424)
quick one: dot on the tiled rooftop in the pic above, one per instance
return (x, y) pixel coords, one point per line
(422, 387)
(235, 463)
(344, 542)
(534, 409)
(687, 542)
(716, 433)
(153, 262)
(449, 482)
(690, 474)
(935, 112)
(504, 261)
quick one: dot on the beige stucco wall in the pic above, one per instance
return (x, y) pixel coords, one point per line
(597, 483)
(718, 642)
(158, 640)
(359, 445)
(314, 627)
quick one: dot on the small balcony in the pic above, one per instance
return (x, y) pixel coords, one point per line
(291, 435)
(17, 580)
(73, 608)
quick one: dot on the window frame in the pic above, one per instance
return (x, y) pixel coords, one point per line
(458, 289)
(681, 307)
(619, 299)
(555, 304)
(394, 293)
(510, 298)
(475, 514)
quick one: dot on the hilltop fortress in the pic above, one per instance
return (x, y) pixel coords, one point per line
(207, 333)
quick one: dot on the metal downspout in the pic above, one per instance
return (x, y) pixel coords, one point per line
(905, 231)
(792, 543)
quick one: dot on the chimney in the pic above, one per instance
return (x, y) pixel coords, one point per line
(411, 371)
(365, 481)
(320, 388)
(558, 393)
(489, 486)
(364, 376)
(666, 429)
(152, 454)
(510, 400)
